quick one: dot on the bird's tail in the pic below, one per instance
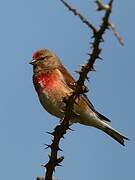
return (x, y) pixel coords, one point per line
(102, 125)
(115, 134)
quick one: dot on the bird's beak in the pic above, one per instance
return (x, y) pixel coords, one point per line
(32, 61)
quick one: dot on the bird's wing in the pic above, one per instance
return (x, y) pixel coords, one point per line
(67, 77)
(94, 110)
(83, 98)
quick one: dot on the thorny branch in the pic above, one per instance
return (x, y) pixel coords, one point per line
(94, 54)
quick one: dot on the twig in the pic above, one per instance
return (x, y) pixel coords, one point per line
(116, 34)
(61, 129)
(104, 7)
(82, 18)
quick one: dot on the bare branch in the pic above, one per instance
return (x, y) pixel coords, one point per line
(82, 18)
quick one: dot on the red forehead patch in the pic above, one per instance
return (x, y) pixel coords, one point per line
(36, 55)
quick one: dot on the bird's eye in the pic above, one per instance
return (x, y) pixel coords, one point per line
(41, 58)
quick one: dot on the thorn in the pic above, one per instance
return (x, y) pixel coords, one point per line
(101, 40)
(100, 58)
(50, 133)
(89, 53)
(92, 37)
(77, 71)
(52, 141)
(63, 136)
(93, 69)
(43, 165)
(85, 87)
(59, 149)
(48, 146)
(90, 44)
(70, 129)
(60, 159)
(58, 164)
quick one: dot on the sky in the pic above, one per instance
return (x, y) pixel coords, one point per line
(89, 153)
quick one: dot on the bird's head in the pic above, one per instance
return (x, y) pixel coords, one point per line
(44, 59)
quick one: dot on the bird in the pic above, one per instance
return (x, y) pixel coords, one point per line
(53, 83)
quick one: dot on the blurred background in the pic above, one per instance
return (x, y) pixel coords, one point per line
(89, 154)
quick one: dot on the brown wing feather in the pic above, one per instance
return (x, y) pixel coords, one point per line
(67, 77)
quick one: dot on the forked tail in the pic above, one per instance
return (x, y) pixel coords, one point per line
(102, 125)
(115, 134)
